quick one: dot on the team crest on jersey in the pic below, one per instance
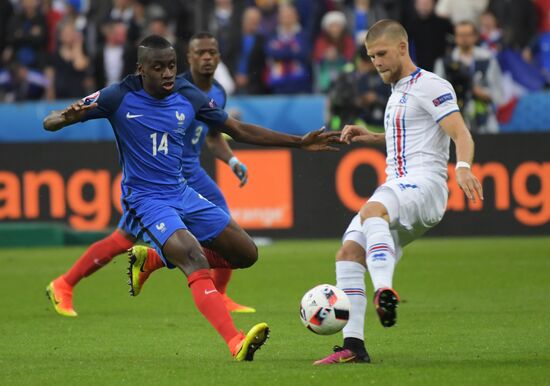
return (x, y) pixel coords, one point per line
(91, 98)
(180, 117)
(161, 227)
(212, 103)
(443, 98)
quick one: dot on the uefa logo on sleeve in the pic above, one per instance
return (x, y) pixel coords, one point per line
(91, 98)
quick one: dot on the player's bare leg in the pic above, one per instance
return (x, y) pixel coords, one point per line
(185, 252)
(350, 278)
(381, 259)
(99, 254)
(235, 245)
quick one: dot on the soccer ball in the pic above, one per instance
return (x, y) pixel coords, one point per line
(325, 309)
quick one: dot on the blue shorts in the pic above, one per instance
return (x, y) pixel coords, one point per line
(155, 218)
(203, 184)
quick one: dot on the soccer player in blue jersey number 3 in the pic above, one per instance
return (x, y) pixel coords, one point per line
(150, 113)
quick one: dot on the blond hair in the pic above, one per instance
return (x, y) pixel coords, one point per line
(389, 28)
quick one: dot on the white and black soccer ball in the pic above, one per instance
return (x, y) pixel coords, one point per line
(325, 309)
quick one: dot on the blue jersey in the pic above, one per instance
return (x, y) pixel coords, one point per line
(150, 132)
(194, 137)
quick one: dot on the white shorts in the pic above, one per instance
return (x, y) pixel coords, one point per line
(414, 205)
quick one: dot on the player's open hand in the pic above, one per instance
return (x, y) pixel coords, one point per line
(469, 184)
(320, 140)
(355, 133)
(75, 112)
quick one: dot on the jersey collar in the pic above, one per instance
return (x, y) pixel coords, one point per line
(408, 78)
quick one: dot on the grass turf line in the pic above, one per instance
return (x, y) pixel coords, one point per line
(475, 311)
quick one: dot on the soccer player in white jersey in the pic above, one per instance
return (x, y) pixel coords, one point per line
(421, 118)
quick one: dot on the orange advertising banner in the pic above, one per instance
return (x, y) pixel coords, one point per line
(265, 202)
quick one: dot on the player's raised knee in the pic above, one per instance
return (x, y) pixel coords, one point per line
(351, 251)
(373, 209)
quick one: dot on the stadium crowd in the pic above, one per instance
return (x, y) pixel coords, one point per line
(63, 49)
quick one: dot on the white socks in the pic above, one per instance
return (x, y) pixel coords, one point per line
(380, 252)
(350, 278)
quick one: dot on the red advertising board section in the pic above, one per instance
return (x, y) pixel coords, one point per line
(290, 193)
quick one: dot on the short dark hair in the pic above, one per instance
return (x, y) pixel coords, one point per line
(468, 23)
(202, 35)
(155, 42)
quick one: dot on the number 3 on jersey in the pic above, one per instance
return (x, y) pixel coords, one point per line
(197, 136)
(163, 146)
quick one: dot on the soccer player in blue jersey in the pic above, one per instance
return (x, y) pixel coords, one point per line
(203, 59)
(150, 114)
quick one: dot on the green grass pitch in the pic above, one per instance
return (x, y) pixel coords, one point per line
(474, 312)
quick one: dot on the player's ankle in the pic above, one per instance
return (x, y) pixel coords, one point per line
(355, 344)
(62, 281)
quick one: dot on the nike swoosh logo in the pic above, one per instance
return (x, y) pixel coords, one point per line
(130, 116)
(206, 292)
(142, 265)
(344, 360)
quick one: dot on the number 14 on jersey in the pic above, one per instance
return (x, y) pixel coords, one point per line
(162, 146)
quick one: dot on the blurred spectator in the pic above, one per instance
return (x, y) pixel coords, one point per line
(159, 26)
(269, 10)
(19, 83)
(184, 29)
(54, 13)
(224, 25)
(68, 66)
(75, 10)
(429, 34)
(543, 9)
(223, 76)
(251, 59)
(477, 79)
(287, 55)
(97, 15)
(518, 20)
(362, 15)
(310, 13)
(358, 96)
(396, 9)
(27, 36)
(115, 58)
(125, 11)
(490, 35)
(463, 10)
(538, 54)
(6, 12)
(333, 49)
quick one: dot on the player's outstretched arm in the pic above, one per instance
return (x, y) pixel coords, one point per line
(355, 133)
(256, 135)
(72, 114)
(221, 150)
(454, 126)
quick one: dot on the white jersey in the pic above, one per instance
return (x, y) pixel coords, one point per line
(415, 143)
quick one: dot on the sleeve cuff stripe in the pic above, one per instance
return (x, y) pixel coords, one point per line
(444, 115)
